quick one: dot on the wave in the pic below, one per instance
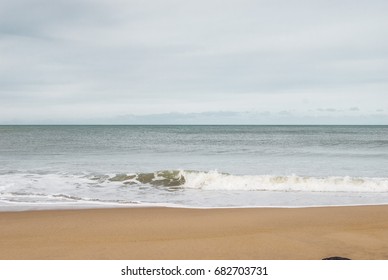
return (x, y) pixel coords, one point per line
(167, 178)
(214, 180)
(173, 180)
(30, 197)
(51, 190)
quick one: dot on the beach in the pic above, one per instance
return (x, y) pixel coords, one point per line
(193, 192)
(356, 232)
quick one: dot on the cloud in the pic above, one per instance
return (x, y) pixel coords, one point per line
(222, 118)
(327, 110)
(155, 57)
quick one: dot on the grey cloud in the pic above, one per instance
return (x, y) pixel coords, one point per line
(285, 113)
(37, 18)
(327, 110)
(224, 118)
(197, 55)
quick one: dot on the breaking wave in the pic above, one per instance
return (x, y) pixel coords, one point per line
(185, 179)
(167, 178)
(43, 190)
(214, 180)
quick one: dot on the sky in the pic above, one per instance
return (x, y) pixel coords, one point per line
(193, 62)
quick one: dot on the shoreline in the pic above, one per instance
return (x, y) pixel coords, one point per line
(31, 207)
(356, 232)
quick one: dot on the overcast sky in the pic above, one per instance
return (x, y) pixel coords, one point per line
(203, 61)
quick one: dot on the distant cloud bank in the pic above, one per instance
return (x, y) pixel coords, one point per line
(320, 117)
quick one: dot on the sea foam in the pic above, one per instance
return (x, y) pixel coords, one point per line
(214, 180)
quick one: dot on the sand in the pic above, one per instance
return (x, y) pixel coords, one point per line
(359, 232)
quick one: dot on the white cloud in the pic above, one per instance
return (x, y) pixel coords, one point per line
(79, 57)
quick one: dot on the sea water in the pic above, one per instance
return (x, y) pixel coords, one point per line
(49, 167)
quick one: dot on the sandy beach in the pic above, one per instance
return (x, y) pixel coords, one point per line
(359, 232)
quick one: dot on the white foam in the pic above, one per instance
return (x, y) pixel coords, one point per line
(214, 180)
(201, 189)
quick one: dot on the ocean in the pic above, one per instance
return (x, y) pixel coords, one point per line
(56, 167)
